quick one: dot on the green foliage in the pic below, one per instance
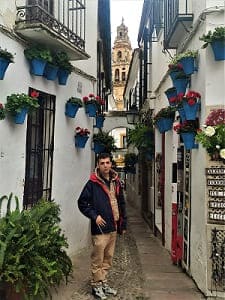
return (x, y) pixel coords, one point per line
(16, 102)
(166, 112)
(188, 53)
(32, 249)
(62, 60)
(217, 35)
(37, 51)
(213, 139)
(105, 139)
(6, 55)
(141, 137)
(76, 101)
(130, 159)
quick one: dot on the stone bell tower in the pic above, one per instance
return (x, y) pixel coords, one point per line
(121, 57)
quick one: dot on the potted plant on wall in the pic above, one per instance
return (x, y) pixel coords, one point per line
(93, 104)
(81, 137)
(72, 106)
(103, 142)
(5, 59)
(33, 251)
(190, 104)
(212, 137)
(2, 112)
(187, 60)
(62, 60)
(216, 39)
(38, 56)
(188, 131)
(164, 119)
(18, 105)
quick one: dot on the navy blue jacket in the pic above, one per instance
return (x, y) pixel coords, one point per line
(94, 201)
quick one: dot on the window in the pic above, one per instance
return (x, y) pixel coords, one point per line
(117, 75)
(119, 55)
(123, 76)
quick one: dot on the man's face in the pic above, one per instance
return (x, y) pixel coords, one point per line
(104, 166)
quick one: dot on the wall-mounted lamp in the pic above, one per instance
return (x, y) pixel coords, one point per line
(132, 115)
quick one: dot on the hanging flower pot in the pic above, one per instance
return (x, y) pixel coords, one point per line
(50, 71)
(3, 67)
(218, 47)
(37, 66)
(91, 109)
(188, 64)
(181, 114)
(63, 76)
(99, 120)
(171, 94)
(98, 147)
(164, 124)
(190, 111)
(80, 141)
(181, 84)
(19, 118)
(71, 110)
(189, 140)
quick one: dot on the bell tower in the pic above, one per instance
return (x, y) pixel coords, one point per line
(121, 57)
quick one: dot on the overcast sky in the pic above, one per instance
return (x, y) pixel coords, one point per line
(130, 10)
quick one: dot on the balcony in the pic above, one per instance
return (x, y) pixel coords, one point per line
(178, 19)
(58, 24)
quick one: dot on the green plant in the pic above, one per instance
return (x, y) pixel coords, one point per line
(130, 159)
(37, 51)
(2, 112)
(188, 53)
(166, 112)
(6, 55)
(186, 126)
(33, 258)
(16, 102)
(75, 100)
(61, 59)
(106, 140)
(141, 137)
(217, 35)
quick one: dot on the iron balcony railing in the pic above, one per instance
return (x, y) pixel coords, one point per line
(66, 18)
(176, 12)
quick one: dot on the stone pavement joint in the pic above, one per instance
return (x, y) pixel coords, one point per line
(142, 270)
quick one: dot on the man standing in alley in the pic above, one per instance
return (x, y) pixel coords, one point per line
(102, 201)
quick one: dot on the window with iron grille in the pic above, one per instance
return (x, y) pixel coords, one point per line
(39, 151)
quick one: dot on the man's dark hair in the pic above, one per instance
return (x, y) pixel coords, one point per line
(104, 155)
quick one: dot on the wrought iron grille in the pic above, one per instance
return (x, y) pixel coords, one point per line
(39, 151)
(65, 17)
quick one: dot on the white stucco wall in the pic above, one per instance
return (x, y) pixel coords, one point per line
(71, 166)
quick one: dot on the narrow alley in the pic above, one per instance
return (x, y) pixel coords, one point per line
(142, 270)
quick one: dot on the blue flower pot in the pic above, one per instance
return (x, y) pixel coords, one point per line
(63, 76)
(218, 48)
(4, 63)
(71, 109)
(188, 64)
(19, 118)
(190, 110)
(91, 109)
(180, 84)
(171, 93)
(37, 66)
(98, 148)
(189, 140)
(181, 114)
(80, 141)
(164, 124)
(173, 75)
(99, 120)
(50, 72)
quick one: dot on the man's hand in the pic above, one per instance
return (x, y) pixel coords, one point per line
(100, 221)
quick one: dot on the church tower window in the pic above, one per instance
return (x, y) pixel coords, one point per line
(117, 75)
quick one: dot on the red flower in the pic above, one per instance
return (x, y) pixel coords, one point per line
(85, 99)
(191, 101)
(34, 94)
(91, 95)
(98, 98)
(82, 131)
(1, 106)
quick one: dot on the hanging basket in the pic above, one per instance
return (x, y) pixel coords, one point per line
(218, 48)
(80, 141)
(98, 148)
(173, 75)
(4, 63)
(63, 76)
(50, 72)
(164, 124)
(188, 64)
(91, 109)
(99, 120)
(189, 140)
(190, 110)
(19, 118)
(181, 114)
(37, 66)
(180, 84)
(171, 93)
(71, 109)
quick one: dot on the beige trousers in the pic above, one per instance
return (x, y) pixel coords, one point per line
(102, 256)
